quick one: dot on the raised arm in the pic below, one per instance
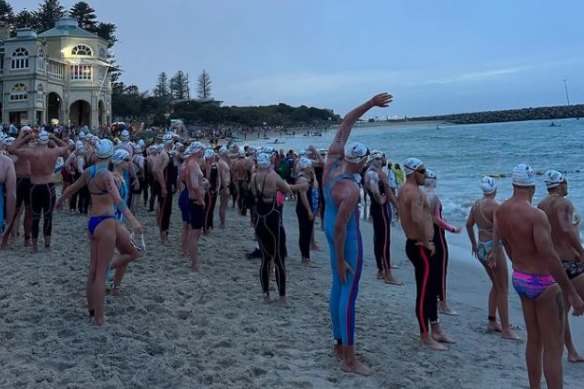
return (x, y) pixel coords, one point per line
(337, 148)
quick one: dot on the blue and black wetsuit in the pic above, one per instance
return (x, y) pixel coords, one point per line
(343, 296)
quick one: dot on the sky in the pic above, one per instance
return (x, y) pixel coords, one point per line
(434, 57)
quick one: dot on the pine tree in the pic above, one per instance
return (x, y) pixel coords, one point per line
(85, 15)
(47, 14)
(162, 88)
(179, 86)
(6, 12)
(204, 84)
(24, 19)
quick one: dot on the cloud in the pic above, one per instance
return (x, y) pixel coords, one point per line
(478, 75)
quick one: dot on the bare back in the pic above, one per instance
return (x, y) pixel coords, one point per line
(483, 212)
(525, 232)
(560, 214)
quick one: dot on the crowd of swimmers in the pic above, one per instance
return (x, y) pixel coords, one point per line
(106, 181)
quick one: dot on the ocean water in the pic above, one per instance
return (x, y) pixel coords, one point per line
(462, 154)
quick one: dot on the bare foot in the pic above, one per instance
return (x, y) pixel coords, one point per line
(493, 326)
(116, 290)
(379, 275)
(338, 352)
(441, 337)
(444, 309)
(283, 302)
(307, 263)
(390, 279)
(575, 357)
(315, 247)
(431, 343)
(511, 335)
(196, 269)
(267, 300)
(355, 366)
(27, 242)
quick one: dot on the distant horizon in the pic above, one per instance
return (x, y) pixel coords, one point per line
(436, 58)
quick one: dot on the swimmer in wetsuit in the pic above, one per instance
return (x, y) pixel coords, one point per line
(538, 278)
(341, 192)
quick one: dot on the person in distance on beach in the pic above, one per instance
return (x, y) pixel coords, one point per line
(565, 225)
(416, 221)
(440, 243)
(341, 190)
(495, 263)
(525, 233)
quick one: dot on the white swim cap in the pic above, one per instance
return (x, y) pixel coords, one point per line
(356, 152)
(79, 146)
(553, 178)
(138, 148)
(141, 142)
(209, 153)
(222, 150)
(430, 175)
(167, 138)
(411, 165)
(377, 154)
(104, 149)
(125, 136)
(241, 152)
(187, 152)
(119, 156)
(304, 163)
(43, 137)
(488, 185)
(196, 147)
(264, 160)
(523, 175)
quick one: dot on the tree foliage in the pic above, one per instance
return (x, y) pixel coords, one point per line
(162, 88)
(85, 15)
(47, 14)
(204, 85)
(179, 86)
(6, 12)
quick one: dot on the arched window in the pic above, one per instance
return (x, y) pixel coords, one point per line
(81, 50)
(18, 92)
(20, 58)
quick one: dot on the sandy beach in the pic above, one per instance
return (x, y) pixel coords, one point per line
(175, 329)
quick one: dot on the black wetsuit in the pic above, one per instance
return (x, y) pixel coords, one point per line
(305, 225)
(211, 197)
(270, 235)
(381, 215)
(42, 198)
